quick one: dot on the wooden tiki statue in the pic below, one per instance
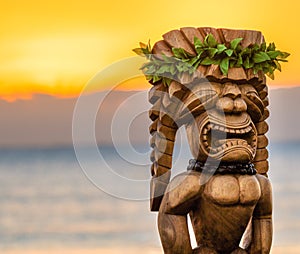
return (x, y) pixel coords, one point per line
(225, 191)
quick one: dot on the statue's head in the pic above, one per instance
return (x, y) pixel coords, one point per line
(225, 130)
(222, 100)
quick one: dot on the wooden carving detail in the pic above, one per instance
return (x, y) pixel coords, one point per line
(225, 191)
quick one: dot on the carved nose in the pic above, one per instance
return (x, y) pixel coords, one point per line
(228, 105)
(231, 101)
(232, 91)
(239, 105)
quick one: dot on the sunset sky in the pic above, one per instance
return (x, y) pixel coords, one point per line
(55, 47)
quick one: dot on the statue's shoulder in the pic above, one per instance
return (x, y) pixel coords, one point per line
(264, 205)
(182, 191)
(264, 182)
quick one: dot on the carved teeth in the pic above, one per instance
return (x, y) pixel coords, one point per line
(217, 127)
(248, 129)
(243, 131)
(216, 144)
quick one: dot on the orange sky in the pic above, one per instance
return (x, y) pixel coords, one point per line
(55, 47)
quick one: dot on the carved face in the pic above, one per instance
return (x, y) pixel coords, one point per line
(225, 130)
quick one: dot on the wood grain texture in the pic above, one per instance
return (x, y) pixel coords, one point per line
(176, 39)
(162, 48)
(262, 127)
(262, 167)
(156, 92)
(262, 141)
(261, 155)
(157, 190)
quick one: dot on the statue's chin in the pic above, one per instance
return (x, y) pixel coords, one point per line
(239, 155)
(233, 154)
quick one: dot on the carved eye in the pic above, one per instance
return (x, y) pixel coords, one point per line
(199, 100)
(254, 103)
(254, 97)
(206, 95)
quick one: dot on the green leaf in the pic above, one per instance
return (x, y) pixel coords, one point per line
(224, 65)
(145, 51)
(273, 54)
(271, 75)
(211, 41)
(179, 53)
(257, 67)
(235, 42)
(271, 47)
(138, 51)
(284, 55)
(149, 47)
(278, 66)
(167, 81)
(246, 51)
(239, 61)
(255, 48)
(282, 60)
(193, 60)
(229, 52)
(207, 61)
(263, 46)
(221, 48)
(198, 43)
(167, 59)
(163, 69)
(148, 77)
(212, 51)
(172, 69)
(260, 57)
(150, 70)
(143, 45)
(246, 63)
(156, 78)
(199, 51)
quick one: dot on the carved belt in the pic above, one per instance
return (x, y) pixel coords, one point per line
(222, 168)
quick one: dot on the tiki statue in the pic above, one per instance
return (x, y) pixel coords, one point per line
(221, 100)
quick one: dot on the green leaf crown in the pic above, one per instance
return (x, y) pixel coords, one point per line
(257, 57)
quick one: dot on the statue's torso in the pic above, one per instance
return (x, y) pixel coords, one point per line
(224, 210)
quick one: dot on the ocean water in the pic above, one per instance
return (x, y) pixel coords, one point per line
(47, 200)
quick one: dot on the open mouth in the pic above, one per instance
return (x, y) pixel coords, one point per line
(230, 139)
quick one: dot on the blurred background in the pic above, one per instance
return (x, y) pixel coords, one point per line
(50, 53)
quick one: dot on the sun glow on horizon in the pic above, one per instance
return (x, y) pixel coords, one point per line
(57, 47)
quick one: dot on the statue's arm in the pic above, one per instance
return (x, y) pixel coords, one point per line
(262, 228)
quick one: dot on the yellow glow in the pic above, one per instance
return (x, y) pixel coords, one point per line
(55, 47)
